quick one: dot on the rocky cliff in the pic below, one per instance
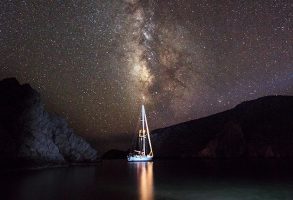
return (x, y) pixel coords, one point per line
(257, 128)
(29, 134)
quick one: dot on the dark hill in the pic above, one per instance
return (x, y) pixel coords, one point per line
(257, 128)
(114, 154)
(30, 135)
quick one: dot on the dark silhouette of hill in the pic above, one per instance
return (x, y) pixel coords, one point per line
(114, 154)
(30, 135)
(257, 128)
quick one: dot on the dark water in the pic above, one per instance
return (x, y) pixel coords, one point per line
(164, 179)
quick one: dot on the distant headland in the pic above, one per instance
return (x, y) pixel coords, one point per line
(261, 128)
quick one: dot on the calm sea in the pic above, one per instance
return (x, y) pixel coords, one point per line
(161, 179)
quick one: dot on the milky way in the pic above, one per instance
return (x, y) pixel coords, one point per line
(95, 62)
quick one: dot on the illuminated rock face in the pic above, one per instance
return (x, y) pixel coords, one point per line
(257, 128)
(30, 134)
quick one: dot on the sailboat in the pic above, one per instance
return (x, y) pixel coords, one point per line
(143, 148)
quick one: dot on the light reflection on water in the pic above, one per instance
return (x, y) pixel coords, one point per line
(145, 179)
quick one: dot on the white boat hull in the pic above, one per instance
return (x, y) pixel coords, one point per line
(139, 158)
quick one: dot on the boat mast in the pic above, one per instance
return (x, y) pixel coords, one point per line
(143, 129)
(145, 132)
(149, 138)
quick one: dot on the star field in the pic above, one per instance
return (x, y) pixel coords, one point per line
(95, 62)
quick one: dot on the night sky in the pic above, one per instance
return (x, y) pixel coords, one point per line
(95, 61)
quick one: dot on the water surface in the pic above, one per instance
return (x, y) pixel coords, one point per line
(161, 179)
